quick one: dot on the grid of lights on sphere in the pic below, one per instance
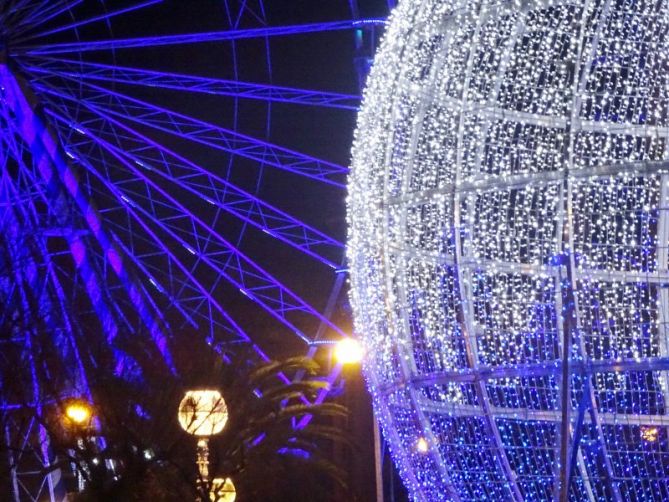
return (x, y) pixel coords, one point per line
(509, 186)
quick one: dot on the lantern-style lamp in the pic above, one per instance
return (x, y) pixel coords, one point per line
(223, 490)
(203, 413)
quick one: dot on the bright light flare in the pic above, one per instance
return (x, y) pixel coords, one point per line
(348, 351)
(422, 446)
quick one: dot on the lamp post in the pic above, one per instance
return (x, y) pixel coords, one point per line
(78, 416)
(203, 413)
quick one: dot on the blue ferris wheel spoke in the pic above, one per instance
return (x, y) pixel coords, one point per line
(247, 276)
(50, 303)
(40, 285)
(42, 13)
(152, 278)
(191, 38)
(56, 172)
(18, 8)
(103, 17)
(85, 268)
(199, 131)
(220, 87)
(20, 11)
(174, 264)
(218, 192)
(77, 247)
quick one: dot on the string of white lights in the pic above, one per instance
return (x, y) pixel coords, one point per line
(509, 176)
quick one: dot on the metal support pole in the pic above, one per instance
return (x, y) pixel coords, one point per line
(12, 467)
(565, 397)
(378, 461)
(203, 459)
(582, 407)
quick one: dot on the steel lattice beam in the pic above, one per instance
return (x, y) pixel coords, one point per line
(192, 38)
(159, 118)
(80, 70)
(214, 189)
(222, 256)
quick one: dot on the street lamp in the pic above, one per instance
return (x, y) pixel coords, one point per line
(348, 351)
(78, 415)
(203, 413)
(78, 412)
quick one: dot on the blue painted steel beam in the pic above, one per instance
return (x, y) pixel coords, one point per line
(176, 265)
(220, 87)
(54, 198)
(42, 13)
(19, 224)
(32, 283)
(192, 38)
(78, 24)
(205, 133)
(18, 9)
(216, 190)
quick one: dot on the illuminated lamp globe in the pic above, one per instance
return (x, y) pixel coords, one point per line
(203, 412)
(508, 212)
(223, 490)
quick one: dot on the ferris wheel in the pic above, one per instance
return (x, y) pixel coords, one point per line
(138, 189)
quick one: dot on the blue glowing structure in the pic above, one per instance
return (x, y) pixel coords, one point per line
(128, 210)
(509, 248)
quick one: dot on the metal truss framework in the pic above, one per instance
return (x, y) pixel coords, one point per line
(126, 223)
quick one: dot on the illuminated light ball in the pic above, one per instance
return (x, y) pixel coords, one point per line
(223, 490)
(508, 186)
(203, 412)
(348, 351)
(78, 412)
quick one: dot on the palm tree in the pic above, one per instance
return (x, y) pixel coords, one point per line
(277, 441)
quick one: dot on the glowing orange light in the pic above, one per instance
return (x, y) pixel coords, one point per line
(348, 351)
(650, 434)
(78, 412)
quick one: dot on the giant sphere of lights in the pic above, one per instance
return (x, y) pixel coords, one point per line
(509, 201)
